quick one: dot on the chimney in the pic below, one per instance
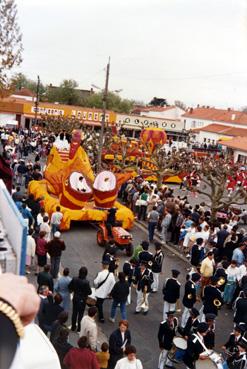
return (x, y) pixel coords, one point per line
(208, 107)
(191, 110)
(198, 106)
(228, 109)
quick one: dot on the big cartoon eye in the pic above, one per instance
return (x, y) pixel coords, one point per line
(79, 183)
(105, 181)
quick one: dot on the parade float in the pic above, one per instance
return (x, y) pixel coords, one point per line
(69, 182)
(142, 157)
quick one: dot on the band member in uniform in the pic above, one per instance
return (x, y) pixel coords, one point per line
(195, 347)
(167, 332)
(146, 256)
(212, 299)
(230, 347)
(143, 280)
(109, 256)
(190, 297)
(171, 292)
(209, 339)
(157, 265)
(240, 307)
(129, 269)
(239, 359)
(191, 324)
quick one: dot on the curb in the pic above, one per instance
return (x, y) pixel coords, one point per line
(173, 250)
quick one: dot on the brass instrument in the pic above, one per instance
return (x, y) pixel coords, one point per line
(190, 296)
(178, 307)
(217, 303)
(144, 302)
(221, 281)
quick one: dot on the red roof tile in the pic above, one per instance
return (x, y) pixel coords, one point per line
(221, 129)
(239, 143)
(220, 115)
(24, 92)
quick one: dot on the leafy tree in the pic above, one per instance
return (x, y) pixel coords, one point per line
(114, 102)
(10, 40)
(66, 93)
(156, 101)
(19, 81)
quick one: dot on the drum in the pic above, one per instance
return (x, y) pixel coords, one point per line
(205, 364)
(177, 352)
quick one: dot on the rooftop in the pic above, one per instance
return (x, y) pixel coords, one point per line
(223, 130)
(24, 92)
(239, 143)
(217, 115)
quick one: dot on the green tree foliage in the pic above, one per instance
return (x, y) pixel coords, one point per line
(19, 81)
(66, 93)
(114, 102)
(10, 40)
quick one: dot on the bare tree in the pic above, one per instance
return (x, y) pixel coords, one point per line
(10, 41)
(180, 104)
(162, 162)
(214, 175)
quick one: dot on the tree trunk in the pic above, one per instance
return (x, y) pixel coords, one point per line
(159, 179)
(213, 214)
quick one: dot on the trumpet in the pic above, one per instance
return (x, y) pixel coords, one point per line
(217, 303)
(144, 302)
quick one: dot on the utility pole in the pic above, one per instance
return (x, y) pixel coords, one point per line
(102, 129)
(37, 101)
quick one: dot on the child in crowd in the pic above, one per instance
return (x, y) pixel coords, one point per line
(103, 356)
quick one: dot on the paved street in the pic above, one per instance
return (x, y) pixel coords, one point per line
(82, 249)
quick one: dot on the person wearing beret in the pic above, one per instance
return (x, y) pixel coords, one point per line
(195, 347)
(167, 331)
(190, 297)
(171, 292)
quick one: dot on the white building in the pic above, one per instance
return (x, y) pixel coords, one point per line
(212, 133)
(168, 112)
(211, 125)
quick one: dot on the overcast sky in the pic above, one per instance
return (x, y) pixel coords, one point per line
(189, 50)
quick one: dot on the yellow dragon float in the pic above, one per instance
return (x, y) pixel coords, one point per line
(69, 182)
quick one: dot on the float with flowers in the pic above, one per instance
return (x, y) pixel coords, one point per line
(69, 182)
